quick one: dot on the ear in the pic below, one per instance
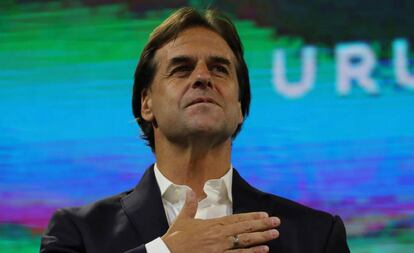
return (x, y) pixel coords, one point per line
(241, 118)
(146, 105)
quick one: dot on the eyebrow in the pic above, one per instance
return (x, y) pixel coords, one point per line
(188, 59)
(221, 60)
(179, 60)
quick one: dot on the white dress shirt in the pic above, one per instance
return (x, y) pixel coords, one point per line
(218, 202)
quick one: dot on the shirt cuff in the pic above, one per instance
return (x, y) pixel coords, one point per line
(157, 246)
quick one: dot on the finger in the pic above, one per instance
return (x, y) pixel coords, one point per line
(240, 217)
(256, 238)
(255, 249)
(251, 226)
(189, 209)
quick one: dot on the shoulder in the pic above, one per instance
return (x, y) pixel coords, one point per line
(289, 208)
(101, 226)
(97, 219)
(290, 212)
(309, 229)
(95, 211)
(273, 204)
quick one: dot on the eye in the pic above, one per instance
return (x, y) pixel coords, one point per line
(181, 70)
(220, 69)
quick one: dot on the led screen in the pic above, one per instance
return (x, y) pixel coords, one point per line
(330, 126)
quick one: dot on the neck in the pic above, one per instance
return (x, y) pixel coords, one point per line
(193, 164)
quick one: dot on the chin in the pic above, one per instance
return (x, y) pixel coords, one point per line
(209, 124)
(213, 131)
(203, 128)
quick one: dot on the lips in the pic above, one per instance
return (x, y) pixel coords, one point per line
(202, 100)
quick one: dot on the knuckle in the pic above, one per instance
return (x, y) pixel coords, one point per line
(237, 218)
(248, 227)
(257, 216)
(219, 223)
(215, 229)
(246, 240)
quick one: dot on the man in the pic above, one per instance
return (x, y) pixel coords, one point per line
(191, 95)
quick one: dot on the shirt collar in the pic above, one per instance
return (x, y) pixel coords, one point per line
(164, 183)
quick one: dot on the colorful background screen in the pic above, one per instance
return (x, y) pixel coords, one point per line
(331, 123)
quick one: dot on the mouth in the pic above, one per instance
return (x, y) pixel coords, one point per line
(201, 100)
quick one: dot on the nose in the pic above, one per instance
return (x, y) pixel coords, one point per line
(202, 77)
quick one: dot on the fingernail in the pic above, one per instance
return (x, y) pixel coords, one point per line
(273, 233)
(264, 249)
(275, 221)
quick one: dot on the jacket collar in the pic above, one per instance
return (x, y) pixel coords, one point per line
(245, 197)
(145, 209)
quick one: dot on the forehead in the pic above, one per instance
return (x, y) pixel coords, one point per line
(198, 42)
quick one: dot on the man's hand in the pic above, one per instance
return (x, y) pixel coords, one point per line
(219, 235)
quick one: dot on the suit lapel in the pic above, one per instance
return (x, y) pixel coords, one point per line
(245, 197)
(249, 199)
(145, 209)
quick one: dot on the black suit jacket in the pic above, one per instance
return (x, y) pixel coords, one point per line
(125, 222)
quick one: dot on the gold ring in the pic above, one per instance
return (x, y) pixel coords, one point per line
(236, 242)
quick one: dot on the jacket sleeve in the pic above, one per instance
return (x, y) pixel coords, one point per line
(337, 238)
(63, 236)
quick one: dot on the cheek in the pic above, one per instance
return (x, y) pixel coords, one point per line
(235, 105)
(166, 104)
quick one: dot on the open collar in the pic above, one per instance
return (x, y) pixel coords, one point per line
(145, 209)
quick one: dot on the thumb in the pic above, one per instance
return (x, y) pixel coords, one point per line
(189, 209)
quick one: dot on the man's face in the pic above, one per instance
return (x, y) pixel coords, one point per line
(195, 90)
